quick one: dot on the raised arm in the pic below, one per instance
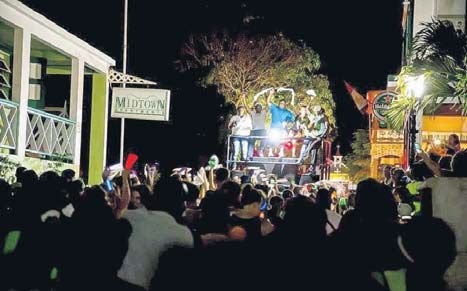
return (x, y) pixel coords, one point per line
(270, 97)
(125, 197)
(432, 165)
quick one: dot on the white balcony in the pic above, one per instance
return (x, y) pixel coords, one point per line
(48, 136)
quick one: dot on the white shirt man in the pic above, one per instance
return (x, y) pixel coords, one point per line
(258, 117)
(241, 126)
(153, 233)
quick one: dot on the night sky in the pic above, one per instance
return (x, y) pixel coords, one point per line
(358, 41)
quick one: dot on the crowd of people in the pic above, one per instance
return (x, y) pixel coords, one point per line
(248, 128)
(156, 232)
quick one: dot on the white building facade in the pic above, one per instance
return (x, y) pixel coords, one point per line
(29, 130)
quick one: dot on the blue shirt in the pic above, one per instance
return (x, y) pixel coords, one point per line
(279, 115)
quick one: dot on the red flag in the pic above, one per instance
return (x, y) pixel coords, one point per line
(358, 99)
(405, 14)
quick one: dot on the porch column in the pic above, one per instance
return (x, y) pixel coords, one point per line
(98, 142)
(20, 92)
(76, 105)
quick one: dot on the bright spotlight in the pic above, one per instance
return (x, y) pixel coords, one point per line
(416, 86)
(276, 134)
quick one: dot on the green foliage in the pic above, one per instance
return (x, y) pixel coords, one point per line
(240, 66)
(440, 55)
(358, 162)
(8, 168)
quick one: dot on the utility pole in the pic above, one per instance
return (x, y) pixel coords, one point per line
(125, 46)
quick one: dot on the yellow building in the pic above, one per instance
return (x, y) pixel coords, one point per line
(387, 146)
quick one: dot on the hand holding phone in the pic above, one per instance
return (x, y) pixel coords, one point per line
(108, 185)
(418, 148)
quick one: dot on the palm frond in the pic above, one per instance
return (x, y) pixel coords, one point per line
(440, 38)
(440, 56)
(398, 112)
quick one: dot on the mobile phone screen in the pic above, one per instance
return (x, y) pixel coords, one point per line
(108, 185)
(417, 148)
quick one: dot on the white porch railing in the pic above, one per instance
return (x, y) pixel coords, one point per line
(8, 124)
(50, 135)
(47, 134)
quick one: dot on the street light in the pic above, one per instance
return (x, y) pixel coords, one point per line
(416, 89)
(416, 86)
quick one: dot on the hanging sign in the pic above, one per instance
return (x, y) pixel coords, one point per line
(381, 104)
(137, 103)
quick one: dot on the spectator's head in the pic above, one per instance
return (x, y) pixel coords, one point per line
(282, 103)
(276, 203)
(398, 177)
(192, 193)
(387, 171)
(304, 219)
(231, 192)
(68, 175)
(140, 196)
(419, 171)
(30, 179)
(251, 201)
(454, 140)
(221, 175)
(323, 198)
(19, 174)
(445, 163)
(51, 185)
(74, 190)
(49, 177)
(402, 195)
(287, 194)
(375, 202)
(263, 188)
(246, 187)
(429, 246)
(297, 190)
(169, 196)
(245, 179)
(215, 214)
(258, 107)
(459, 164)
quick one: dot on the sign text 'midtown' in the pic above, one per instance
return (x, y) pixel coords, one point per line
(135, 103)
